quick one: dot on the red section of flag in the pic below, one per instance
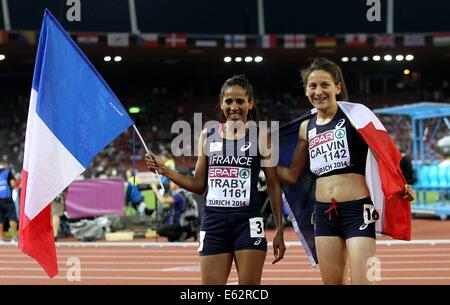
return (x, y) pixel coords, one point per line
(4, 37)
(36, 235)
(176, 40)
(356, 40)
(397, 211)
(268, 41)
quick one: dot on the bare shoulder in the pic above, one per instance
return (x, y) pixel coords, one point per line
(202, 142)
(302, 130)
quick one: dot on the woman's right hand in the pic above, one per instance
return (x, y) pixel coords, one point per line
(154, 163)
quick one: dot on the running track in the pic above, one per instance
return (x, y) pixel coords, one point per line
(424, 261)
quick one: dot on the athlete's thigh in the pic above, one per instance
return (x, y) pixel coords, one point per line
(249, 265)
(332, 255)
(216, 268)
(361, 251)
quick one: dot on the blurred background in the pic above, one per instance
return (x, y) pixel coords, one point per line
(166, 60)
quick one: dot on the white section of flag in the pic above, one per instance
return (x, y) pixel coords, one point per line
(360, 115)
(373, 179)
(118, 39)
(44, 156)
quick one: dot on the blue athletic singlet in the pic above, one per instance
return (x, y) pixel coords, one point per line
(233, 169)
(5, 188)
(336, 147)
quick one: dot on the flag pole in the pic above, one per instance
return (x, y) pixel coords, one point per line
(146, 149)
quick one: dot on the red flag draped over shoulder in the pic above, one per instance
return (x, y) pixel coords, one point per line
(383, 174)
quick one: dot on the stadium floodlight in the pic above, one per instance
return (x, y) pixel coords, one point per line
(354, 59)
(344, 59)
(227, 59)
(238, 59)
(376, 58)
(387, 57)
(107, 58)
(118, 58)
(406, 71)
(258, 59)
(248, 59)
(409, 57)
(2, 57)
(399, 57)
(365, 58)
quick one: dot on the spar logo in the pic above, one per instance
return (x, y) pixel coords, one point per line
(244, 173)
(322, 138)
(224, 172)
(339, 134)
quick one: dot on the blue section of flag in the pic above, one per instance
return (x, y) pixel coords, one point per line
(301, 197)
(73, 99)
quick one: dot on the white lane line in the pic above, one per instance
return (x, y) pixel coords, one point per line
(195, 244)
(159, 251)
(268, 262)
(197, 269)
(414, 255)
(193, 268)
(30, 261)
(115, 256)
(119, 278)
(196, 257)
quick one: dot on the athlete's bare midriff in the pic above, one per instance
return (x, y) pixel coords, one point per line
(343, 187)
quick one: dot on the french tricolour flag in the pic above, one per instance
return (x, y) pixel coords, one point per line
(73, 115)
(383, 175)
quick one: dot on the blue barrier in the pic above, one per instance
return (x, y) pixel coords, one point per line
(432, 178)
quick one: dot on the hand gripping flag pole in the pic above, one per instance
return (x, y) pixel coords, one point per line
(146, 149)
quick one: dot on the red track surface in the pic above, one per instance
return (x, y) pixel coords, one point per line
(400, 264)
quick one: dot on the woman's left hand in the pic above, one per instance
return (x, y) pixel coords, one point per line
(409, 193)
(278, 247)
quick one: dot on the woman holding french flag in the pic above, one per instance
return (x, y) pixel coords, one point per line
(360, 190)
(230, 155)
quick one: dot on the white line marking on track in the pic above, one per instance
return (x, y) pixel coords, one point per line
(195, 244)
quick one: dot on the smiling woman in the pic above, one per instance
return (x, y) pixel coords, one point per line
(334, 144)
(236, 100)
(231, 155)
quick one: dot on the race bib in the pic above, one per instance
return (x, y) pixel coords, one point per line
(329, 150)
(256, 227)
(370, 215)
(228, 187)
